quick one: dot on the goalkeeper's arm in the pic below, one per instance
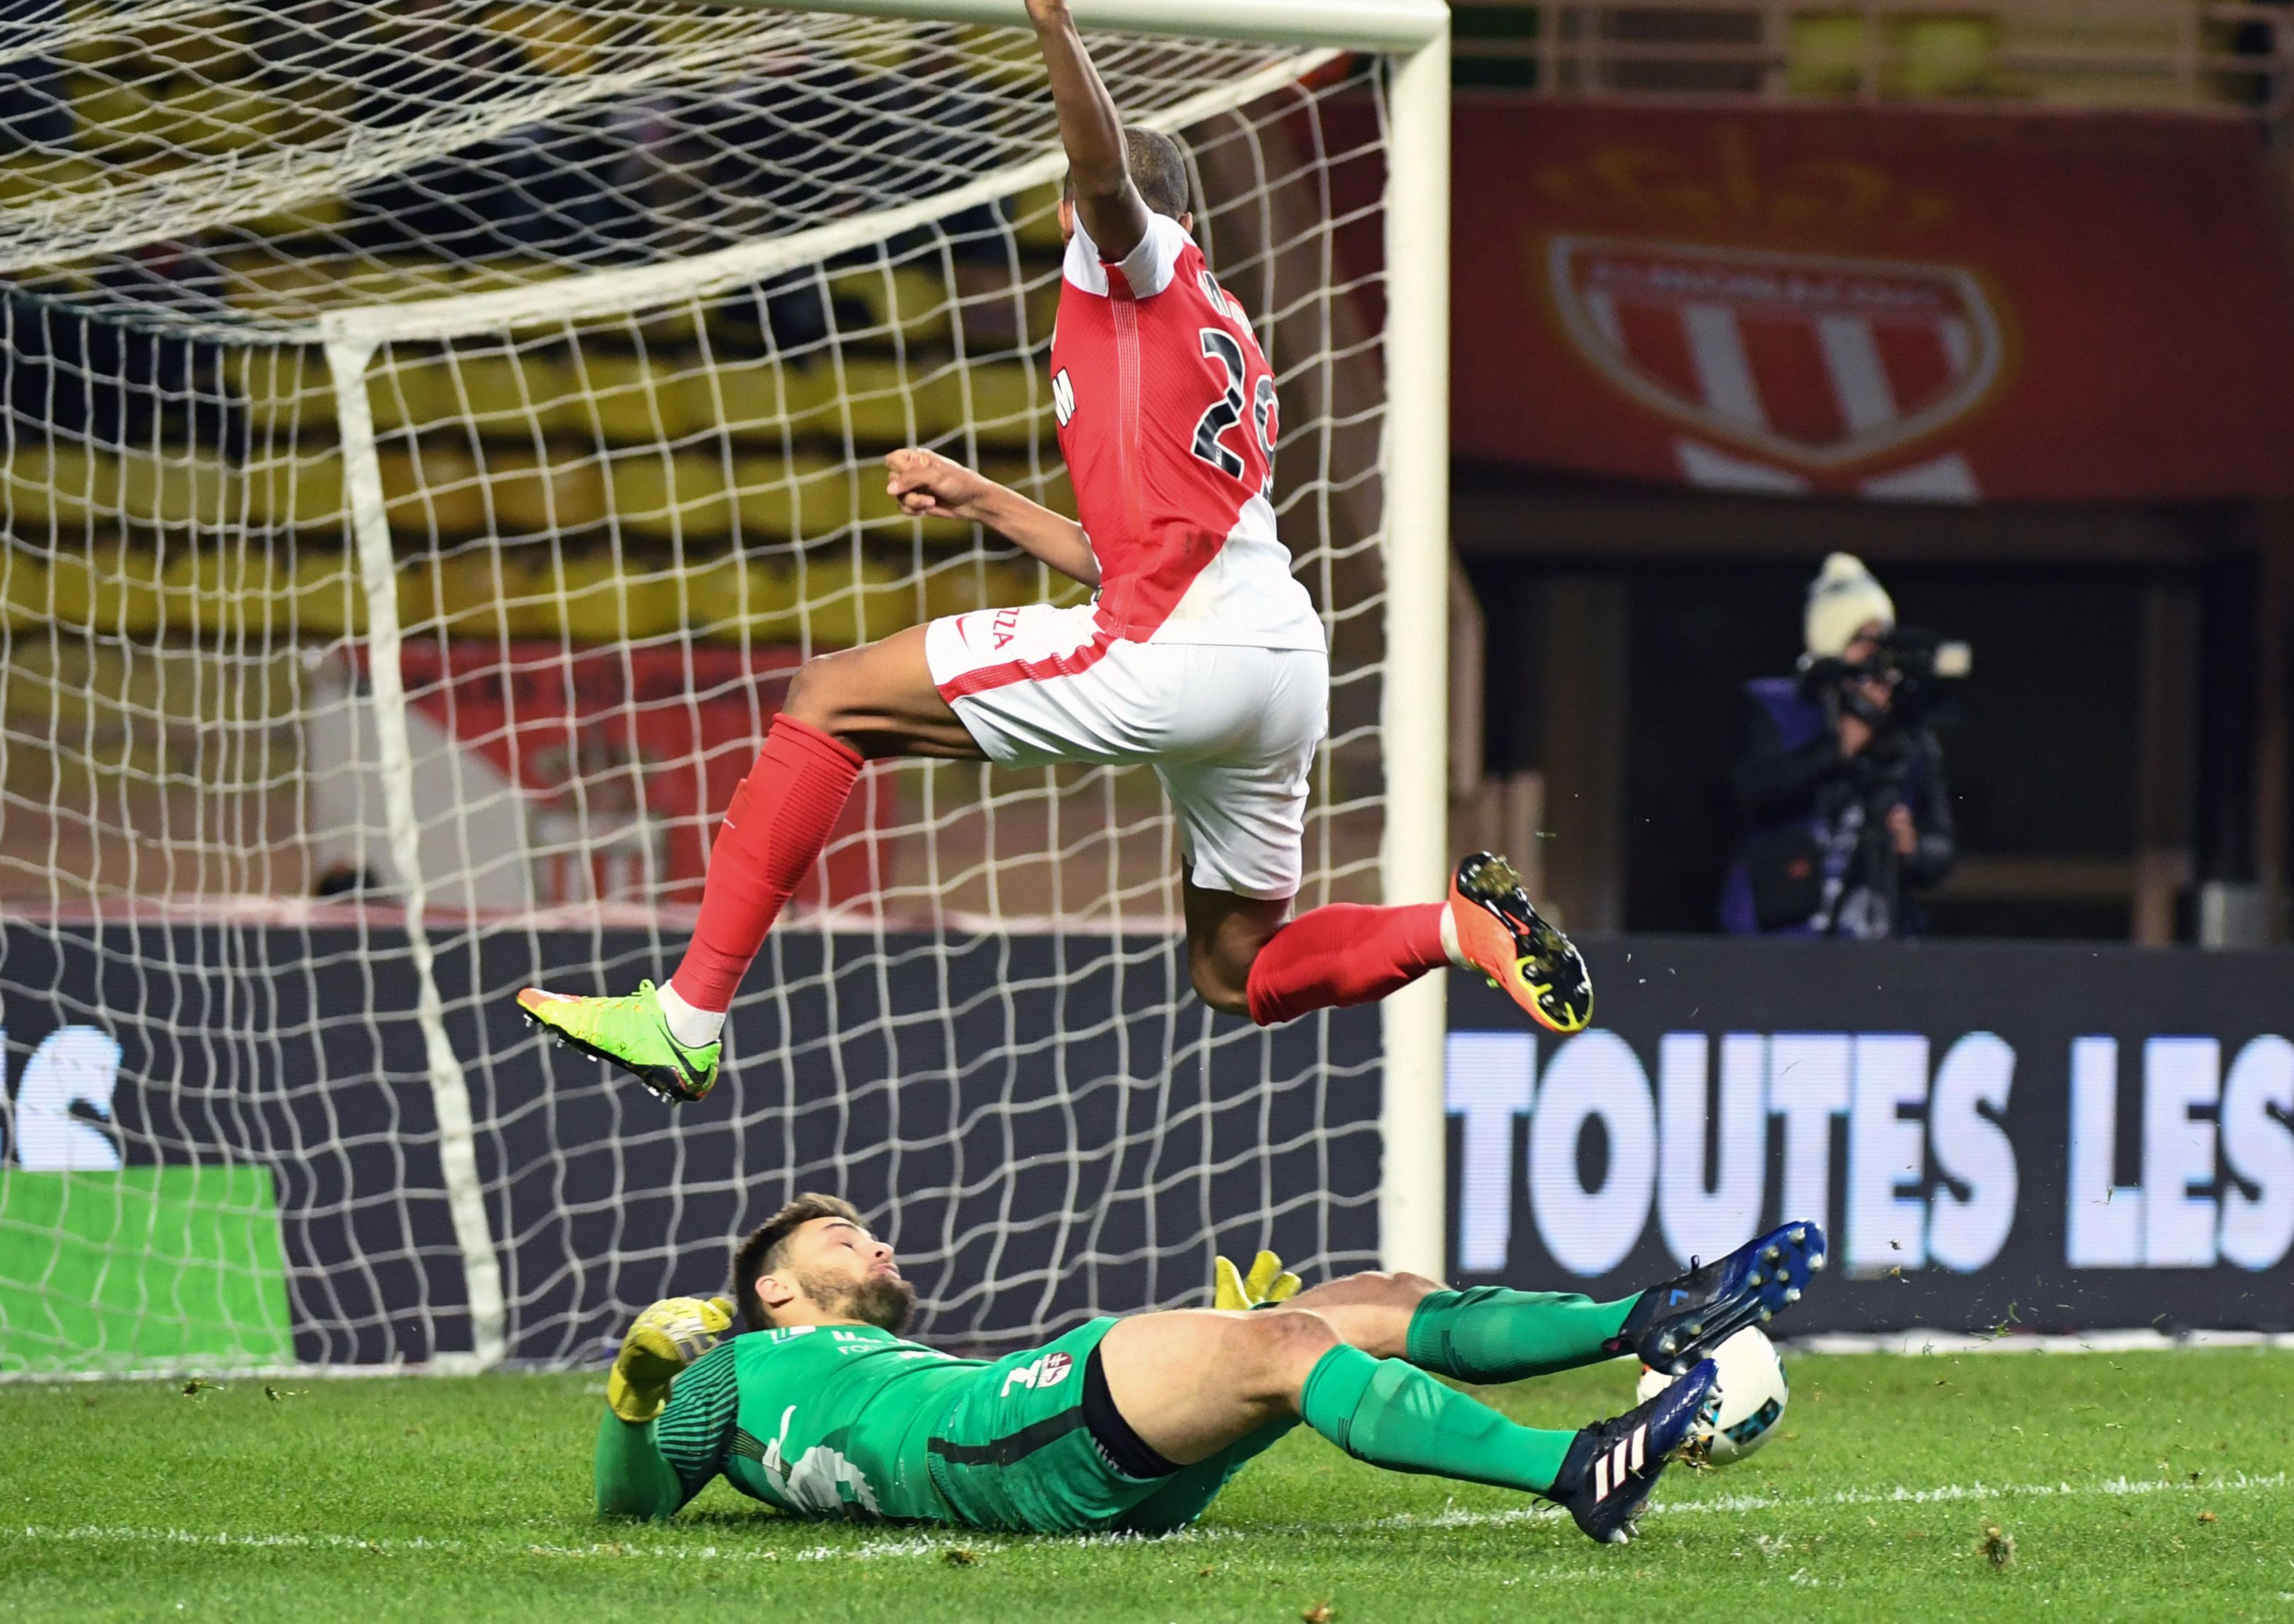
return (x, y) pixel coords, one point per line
(930, 486)
(654, 1454)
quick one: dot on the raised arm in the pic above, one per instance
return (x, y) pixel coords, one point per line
(1110, 206)
(930, 486)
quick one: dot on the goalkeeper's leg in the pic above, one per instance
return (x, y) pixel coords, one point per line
(1484, 1333)
(1490, 1334)
(1193, 1383)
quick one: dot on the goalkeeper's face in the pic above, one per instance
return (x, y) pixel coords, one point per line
(833, 1270)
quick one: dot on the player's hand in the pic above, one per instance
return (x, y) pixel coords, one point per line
(667, 1337)
(1268, 1282)
(930, 486)
(1046, 10)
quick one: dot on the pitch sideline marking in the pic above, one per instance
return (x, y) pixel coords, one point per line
(931, 1545)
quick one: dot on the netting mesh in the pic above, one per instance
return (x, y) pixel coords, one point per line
(285, 826)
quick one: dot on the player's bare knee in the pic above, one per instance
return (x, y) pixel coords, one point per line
(826, 693)
(1283, 1345)
(1218, 986)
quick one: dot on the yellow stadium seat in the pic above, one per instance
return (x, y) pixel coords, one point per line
(179, 490)
(413, 391)
(326, 597)
(681, 497)
(1010, 405)
(1825, 53)
(780, 499)
(534, 495)
(752, 600)
(1946, 56)
(848, 601)
(58, 485)
(1002, 319)
(111, 587)
(758, 399)
(284, 390)
(1036, 213)
(1051, 487)
(67, 485)
(811, 500)
(624, 400)
(433, 491)
(297, 492)
(263, 284)
(508, 393)
(454, 592)
(324, 213)
(886, 406)
(606, 600)
(236, 592)
(181, 115)
(970, 582)
(905, 300)
(554, 39)
(23, 587)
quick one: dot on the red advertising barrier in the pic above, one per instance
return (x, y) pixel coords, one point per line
(1905, 304)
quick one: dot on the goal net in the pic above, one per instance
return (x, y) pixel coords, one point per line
(434, 436)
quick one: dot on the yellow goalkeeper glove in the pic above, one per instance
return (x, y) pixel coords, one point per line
(667, 1337)
(1267, 1283)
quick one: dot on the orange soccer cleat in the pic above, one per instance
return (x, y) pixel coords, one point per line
(1505, 938)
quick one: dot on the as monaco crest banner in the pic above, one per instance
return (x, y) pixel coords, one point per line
(1902, 304)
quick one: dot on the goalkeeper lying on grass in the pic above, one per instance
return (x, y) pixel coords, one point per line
(1135, 1424)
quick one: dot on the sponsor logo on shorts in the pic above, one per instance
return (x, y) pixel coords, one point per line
(1047, 1371)
(1005, 627)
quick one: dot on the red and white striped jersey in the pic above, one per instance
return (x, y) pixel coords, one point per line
(1166, 419)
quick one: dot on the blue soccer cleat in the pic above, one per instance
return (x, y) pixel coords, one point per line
(1677, 1323)
(1613, 1465)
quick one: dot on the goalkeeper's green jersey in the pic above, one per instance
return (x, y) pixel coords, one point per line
(821, 1420)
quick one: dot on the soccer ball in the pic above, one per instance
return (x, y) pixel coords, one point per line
(1753, 1394)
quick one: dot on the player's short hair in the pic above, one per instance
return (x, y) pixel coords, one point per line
(763, 1249)
(1158, 168)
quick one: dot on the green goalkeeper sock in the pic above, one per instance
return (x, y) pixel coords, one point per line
(1492, 1333)
(634, 1479)
(1393, 1416)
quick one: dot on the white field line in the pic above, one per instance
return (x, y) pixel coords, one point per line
(920, 1544)
(1738, 1505)
(1918, 1342)
(937, 1543)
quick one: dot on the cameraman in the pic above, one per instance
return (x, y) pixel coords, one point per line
(1841, 779)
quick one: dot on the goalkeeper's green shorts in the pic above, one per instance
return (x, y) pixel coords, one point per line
(1033, 1443)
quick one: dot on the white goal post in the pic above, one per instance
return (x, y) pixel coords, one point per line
(394, 761)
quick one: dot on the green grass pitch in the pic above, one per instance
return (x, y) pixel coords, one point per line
(2131, 1486)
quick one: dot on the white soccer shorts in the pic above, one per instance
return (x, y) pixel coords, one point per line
(1230, 730)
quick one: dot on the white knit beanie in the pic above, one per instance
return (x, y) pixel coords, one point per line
(1843, 600)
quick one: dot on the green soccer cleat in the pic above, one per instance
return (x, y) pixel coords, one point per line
(629, 1033)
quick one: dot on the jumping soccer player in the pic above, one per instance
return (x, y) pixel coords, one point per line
(1200, 653)
(1135, 1424)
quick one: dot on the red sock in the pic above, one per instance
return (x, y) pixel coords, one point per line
(772, 835)
(1343, 954)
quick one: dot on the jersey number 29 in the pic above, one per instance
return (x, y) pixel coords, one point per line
(1226, 413)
